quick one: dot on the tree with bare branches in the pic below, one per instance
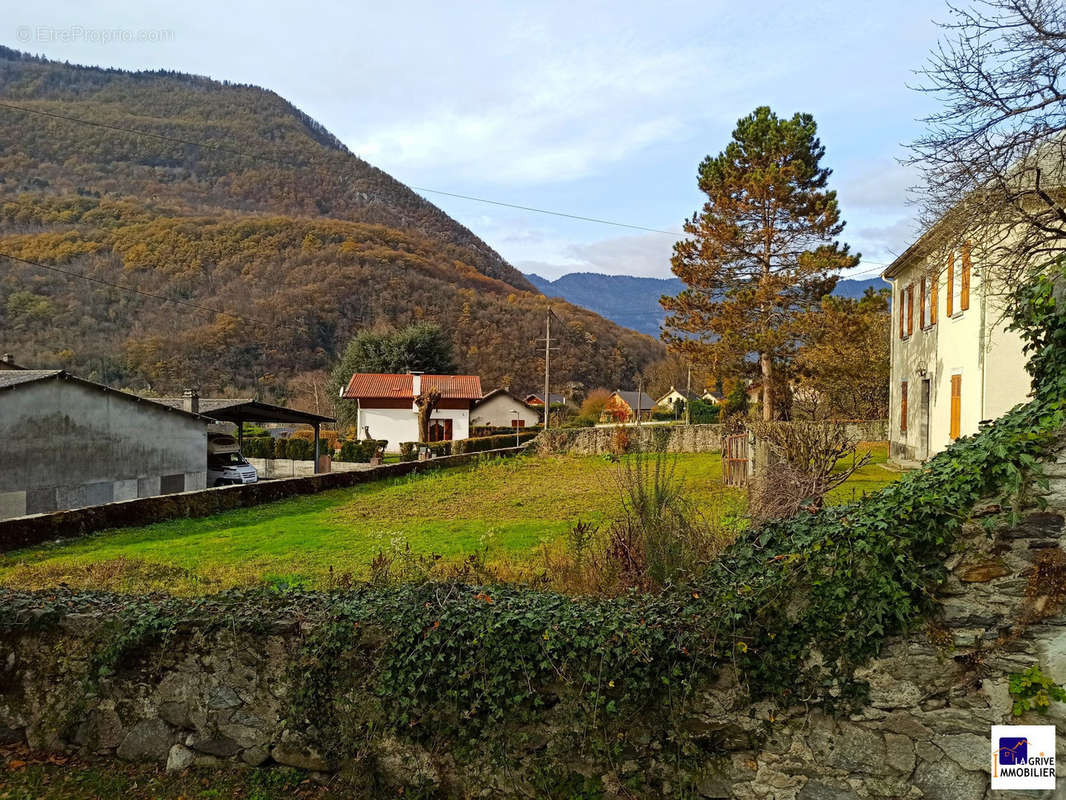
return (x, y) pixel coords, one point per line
(992, 157)
(426, 403)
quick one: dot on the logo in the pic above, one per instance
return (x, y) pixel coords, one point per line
(1023, 756)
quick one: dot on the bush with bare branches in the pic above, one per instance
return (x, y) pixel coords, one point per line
(802, 461)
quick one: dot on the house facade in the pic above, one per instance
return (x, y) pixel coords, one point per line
(672, 398)
(71, 443)
(387, 410)
(501, 409)
(954, 363)
(623, 406)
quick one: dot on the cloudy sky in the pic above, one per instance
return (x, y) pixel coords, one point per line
(599, 109)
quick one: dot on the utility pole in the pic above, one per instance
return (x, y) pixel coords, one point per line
(688, 397)
(640, 394)
(547, 363)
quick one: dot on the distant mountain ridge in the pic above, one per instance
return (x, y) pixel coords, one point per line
(633, 302)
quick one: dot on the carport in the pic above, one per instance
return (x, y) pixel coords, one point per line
(241, 410)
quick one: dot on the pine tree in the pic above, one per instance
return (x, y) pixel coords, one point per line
(760, 253)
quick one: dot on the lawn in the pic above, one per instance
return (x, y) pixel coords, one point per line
(505, 509)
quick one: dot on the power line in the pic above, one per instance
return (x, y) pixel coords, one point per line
(289, 163)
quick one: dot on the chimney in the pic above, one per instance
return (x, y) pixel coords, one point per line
(416, 383)
(190, 401)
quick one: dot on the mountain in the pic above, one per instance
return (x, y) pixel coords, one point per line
(231, 199)
(634, 302)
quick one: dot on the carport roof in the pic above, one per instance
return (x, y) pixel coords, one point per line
(237, 409)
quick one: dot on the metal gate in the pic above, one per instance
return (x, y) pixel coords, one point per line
(735, 459)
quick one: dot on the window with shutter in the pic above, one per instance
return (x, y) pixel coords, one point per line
(902, 303)
(964, 291)
(903, 407)
(910, 309)
(935, 282)
(956, 406)
(951, 284)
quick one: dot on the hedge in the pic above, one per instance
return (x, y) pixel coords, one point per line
(361, 450)
(296, 449)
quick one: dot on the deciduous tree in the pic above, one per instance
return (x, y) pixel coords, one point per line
(761, 251)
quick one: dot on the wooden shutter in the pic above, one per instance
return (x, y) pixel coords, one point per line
(964, 299)
(910, 309)
(903, 407)
(956, 406)
(932, 298)
(921, 304)
(951, 284)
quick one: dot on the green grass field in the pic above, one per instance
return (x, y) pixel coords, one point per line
(505, 509)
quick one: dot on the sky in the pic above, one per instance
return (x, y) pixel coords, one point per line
(598, 109)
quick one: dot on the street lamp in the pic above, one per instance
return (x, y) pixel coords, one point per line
(517, 419)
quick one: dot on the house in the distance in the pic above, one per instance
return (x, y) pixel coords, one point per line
(714, 398)
(7, 361)
(953, 362)
(70, 443)
(674, 397)
(538, 399)
(623, 406)
(386, 405)
(501, 409)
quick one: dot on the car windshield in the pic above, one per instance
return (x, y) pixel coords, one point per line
(223, 460)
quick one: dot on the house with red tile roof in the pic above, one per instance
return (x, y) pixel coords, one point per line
(386, 405)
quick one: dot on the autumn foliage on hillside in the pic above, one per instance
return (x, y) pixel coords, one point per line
(296, 249)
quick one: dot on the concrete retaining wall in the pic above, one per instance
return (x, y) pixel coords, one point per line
(27, 531)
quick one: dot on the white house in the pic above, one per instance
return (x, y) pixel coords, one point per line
(387, 410)
(675, 396)
(501, 409)
(953, 362)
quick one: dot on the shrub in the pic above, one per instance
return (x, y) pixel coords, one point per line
(360, 450)
(703, 413)
(409, 450)
(258, 447)
(483, 443)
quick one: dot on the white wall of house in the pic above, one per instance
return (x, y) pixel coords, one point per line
(499, 412)
(972, 344)
(401, 424)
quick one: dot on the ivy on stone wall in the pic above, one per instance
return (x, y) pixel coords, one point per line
(795, 605)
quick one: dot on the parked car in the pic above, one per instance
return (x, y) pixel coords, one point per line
(225, 464)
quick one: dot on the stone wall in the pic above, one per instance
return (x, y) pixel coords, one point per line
(594, 441)
(218, 696)
(675, 438)
(27, 531)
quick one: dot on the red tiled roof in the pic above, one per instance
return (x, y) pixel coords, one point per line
(457, 387)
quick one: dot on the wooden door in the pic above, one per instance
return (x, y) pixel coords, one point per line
(956, 406)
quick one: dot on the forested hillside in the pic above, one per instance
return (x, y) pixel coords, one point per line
(297, 240)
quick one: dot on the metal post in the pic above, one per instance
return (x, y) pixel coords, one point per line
(688, 398)
(240, 435)
(316, 448)
(640, 392)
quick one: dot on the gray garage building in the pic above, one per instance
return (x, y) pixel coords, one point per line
(66, 442)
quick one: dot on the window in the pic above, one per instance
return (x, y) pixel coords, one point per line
(902, 310)
(964, 284)
(903, 407)
(956, 406)
(951, 284)
(934, 285)
(521, 423)
(910, 310)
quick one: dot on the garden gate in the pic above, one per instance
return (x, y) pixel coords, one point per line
(735, 459)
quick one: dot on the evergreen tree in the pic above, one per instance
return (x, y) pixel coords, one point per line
(760, 253)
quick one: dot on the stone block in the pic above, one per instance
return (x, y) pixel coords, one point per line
(180, 757)
(13, 504)
(148, 740)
